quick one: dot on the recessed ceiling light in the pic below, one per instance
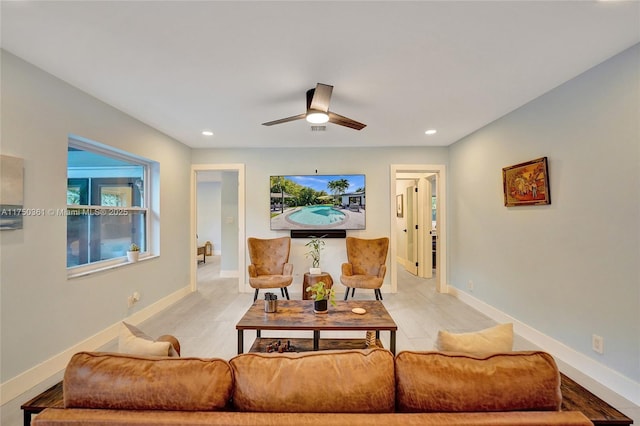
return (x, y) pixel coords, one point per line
(207, 133)
(431, 132)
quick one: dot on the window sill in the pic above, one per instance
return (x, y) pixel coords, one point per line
(87, 270)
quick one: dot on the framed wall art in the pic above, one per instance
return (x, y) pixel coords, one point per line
(399, 206)
(11, 192)
(526, 184)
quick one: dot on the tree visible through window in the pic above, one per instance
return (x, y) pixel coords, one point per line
(106, 204)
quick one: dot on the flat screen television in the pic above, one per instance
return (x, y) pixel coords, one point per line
(317, 202)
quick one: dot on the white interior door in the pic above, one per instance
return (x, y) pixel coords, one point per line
(423, 213)
(412, 233)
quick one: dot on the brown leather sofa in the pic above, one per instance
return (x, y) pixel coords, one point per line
(353, 387)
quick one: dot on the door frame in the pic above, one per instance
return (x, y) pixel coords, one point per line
(441, 241)
(240, 169)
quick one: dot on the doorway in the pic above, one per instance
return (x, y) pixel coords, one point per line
(228, 233)
(418, 231)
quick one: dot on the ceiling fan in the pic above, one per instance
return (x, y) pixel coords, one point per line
(318, 110)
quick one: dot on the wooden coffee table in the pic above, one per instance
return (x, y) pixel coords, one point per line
(298, 315)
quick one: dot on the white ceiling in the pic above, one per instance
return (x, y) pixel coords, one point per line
(399, 67)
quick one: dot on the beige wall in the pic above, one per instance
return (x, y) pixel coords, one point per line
(569, 269)
(43, 313)
(373, 162)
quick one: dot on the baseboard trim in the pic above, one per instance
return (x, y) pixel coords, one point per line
(577, 361)
(403, 262)
(21, 383)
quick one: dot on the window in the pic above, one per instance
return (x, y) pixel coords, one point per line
(107, 204)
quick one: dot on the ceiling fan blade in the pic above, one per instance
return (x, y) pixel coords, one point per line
(285, 120)
(344, 121)
(321, 97)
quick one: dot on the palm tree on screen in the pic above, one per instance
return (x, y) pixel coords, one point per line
(337, 187)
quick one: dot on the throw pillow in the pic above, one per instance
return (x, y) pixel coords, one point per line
(133, 341)
(490, 340)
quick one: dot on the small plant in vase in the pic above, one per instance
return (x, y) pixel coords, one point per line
(321, 297)
(133, 254)
(316, 245)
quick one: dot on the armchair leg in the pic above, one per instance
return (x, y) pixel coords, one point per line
(353, 292)
(282, 291)
(286, 292)
(346, 294)
(378, 294)
(255, 295)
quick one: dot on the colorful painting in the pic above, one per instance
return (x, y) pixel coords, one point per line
(526, 184)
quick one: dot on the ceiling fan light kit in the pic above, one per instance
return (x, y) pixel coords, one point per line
(318, 110)
(317, 117)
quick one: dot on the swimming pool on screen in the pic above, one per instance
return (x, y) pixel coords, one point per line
(317, 216)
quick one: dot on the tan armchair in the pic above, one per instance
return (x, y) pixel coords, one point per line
(270, 267)
(366, 265)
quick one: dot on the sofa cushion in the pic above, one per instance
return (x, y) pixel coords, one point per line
(134, 341)
(490, 340)
(356, 381)
(119, 381)
(454, 382)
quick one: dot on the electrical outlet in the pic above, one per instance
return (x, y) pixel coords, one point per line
(597, 343)
(470, 285)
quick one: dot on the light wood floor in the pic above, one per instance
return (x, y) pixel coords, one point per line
(204, 321)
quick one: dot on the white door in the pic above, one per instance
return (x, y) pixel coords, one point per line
(411, 230)
(423, 214)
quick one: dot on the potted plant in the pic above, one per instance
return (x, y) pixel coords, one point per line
(321, 295)
(133, 254)
(316, 245)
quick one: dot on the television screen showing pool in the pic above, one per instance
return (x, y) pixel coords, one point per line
(309, 202)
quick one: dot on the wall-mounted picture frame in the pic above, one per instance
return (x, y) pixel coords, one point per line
(399, 206)
(11, 192)
(527, 183)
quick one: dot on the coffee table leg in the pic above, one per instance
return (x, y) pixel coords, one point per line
(392, 342)
(240, 341)
(316, 340)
